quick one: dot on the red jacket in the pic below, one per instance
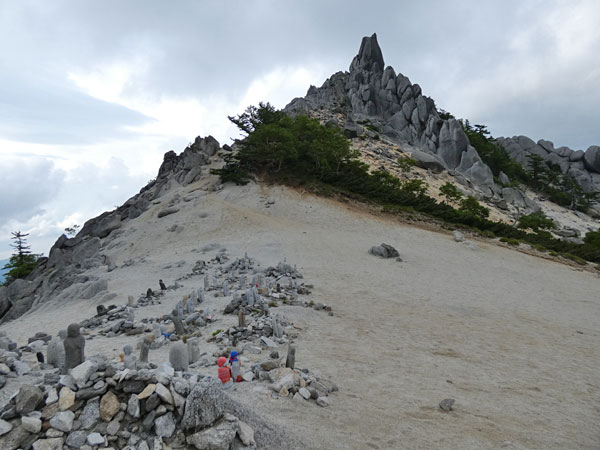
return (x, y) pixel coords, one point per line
(224, 374)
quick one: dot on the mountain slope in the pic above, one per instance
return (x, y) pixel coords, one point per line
(495, 329)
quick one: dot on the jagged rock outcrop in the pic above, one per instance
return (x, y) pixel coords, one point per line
(63, 274)
(398, 109)
(584, 167)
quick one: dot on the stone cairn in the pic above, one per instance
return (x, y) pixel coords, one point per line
(257, 290)
(136, 404)
(101, 405)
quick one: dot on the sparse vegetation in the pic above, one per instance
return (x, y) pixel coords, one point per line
(510, 241)
(451, 192)
(536, 221)
(300, 151)
(575, 258)
(471, 207)
(406, 165)
(72, 231)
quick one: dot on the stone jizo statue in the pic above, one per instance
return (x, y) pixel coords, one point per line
(55, 354)
(129, 359)
(74, 347)
(179, 329)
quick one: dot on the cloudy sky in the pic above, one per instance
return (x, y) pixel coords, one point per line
(93, 93)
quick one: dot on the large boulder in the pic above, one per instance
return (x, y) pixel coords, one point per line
(473, 168)
(28, 399)
(428, 161)
(102, 225)
(204, 405)
(219, 437)
(452, 143)
(591, 159)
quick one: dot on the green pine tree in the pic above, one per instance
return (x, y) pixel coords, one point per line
(22, 262)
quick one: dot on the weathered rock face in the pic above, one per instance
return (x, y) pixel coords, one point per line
(584, 167)
(71, 258)
(397, 108)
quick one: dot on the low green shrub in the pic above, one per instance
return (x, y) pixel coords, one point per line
(574, 258)
(510, 241)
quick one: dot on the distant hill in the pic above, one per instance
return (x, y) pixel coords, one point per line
(2, 271)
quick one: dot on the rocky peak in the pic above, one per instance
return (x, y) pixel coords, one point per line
(399, 111)
(369, 56)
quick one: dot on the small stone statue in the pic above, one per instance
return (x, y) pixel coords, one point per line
(156, 331)
(130, 300)
(162, 285)
(277, 331)
(5, 342)
(74, 347)
(178, 356)
(179, 329)
(290, 361)
(206, 286)
(55, 354)
(225, 288)
(129, 358)
(193, 350)
(189, 306)
(241, 318)
(145, 350)
(179, 308)
(200, 295)
(250, 297)
(130, 314)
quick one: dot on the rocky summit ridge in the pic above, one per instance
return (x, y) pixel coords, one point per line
(374, 93)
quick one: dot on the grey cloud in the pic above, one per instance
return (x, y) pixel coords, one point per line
(35, 111)
(41, 196)
(27, 186)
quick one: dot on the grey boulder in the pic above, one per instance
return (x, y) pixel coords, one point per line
(204, 405)
(384, 251)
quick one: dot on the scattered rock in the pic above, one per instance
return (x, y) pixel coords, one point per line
(109, 406)
(63, 421)
(66, 398)
(458, 236)
(28, 399)
(324, 402)
(31, 424)
(5, 427)
(165, 425)
(446, 404)
(95, 439)
(384, 251)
